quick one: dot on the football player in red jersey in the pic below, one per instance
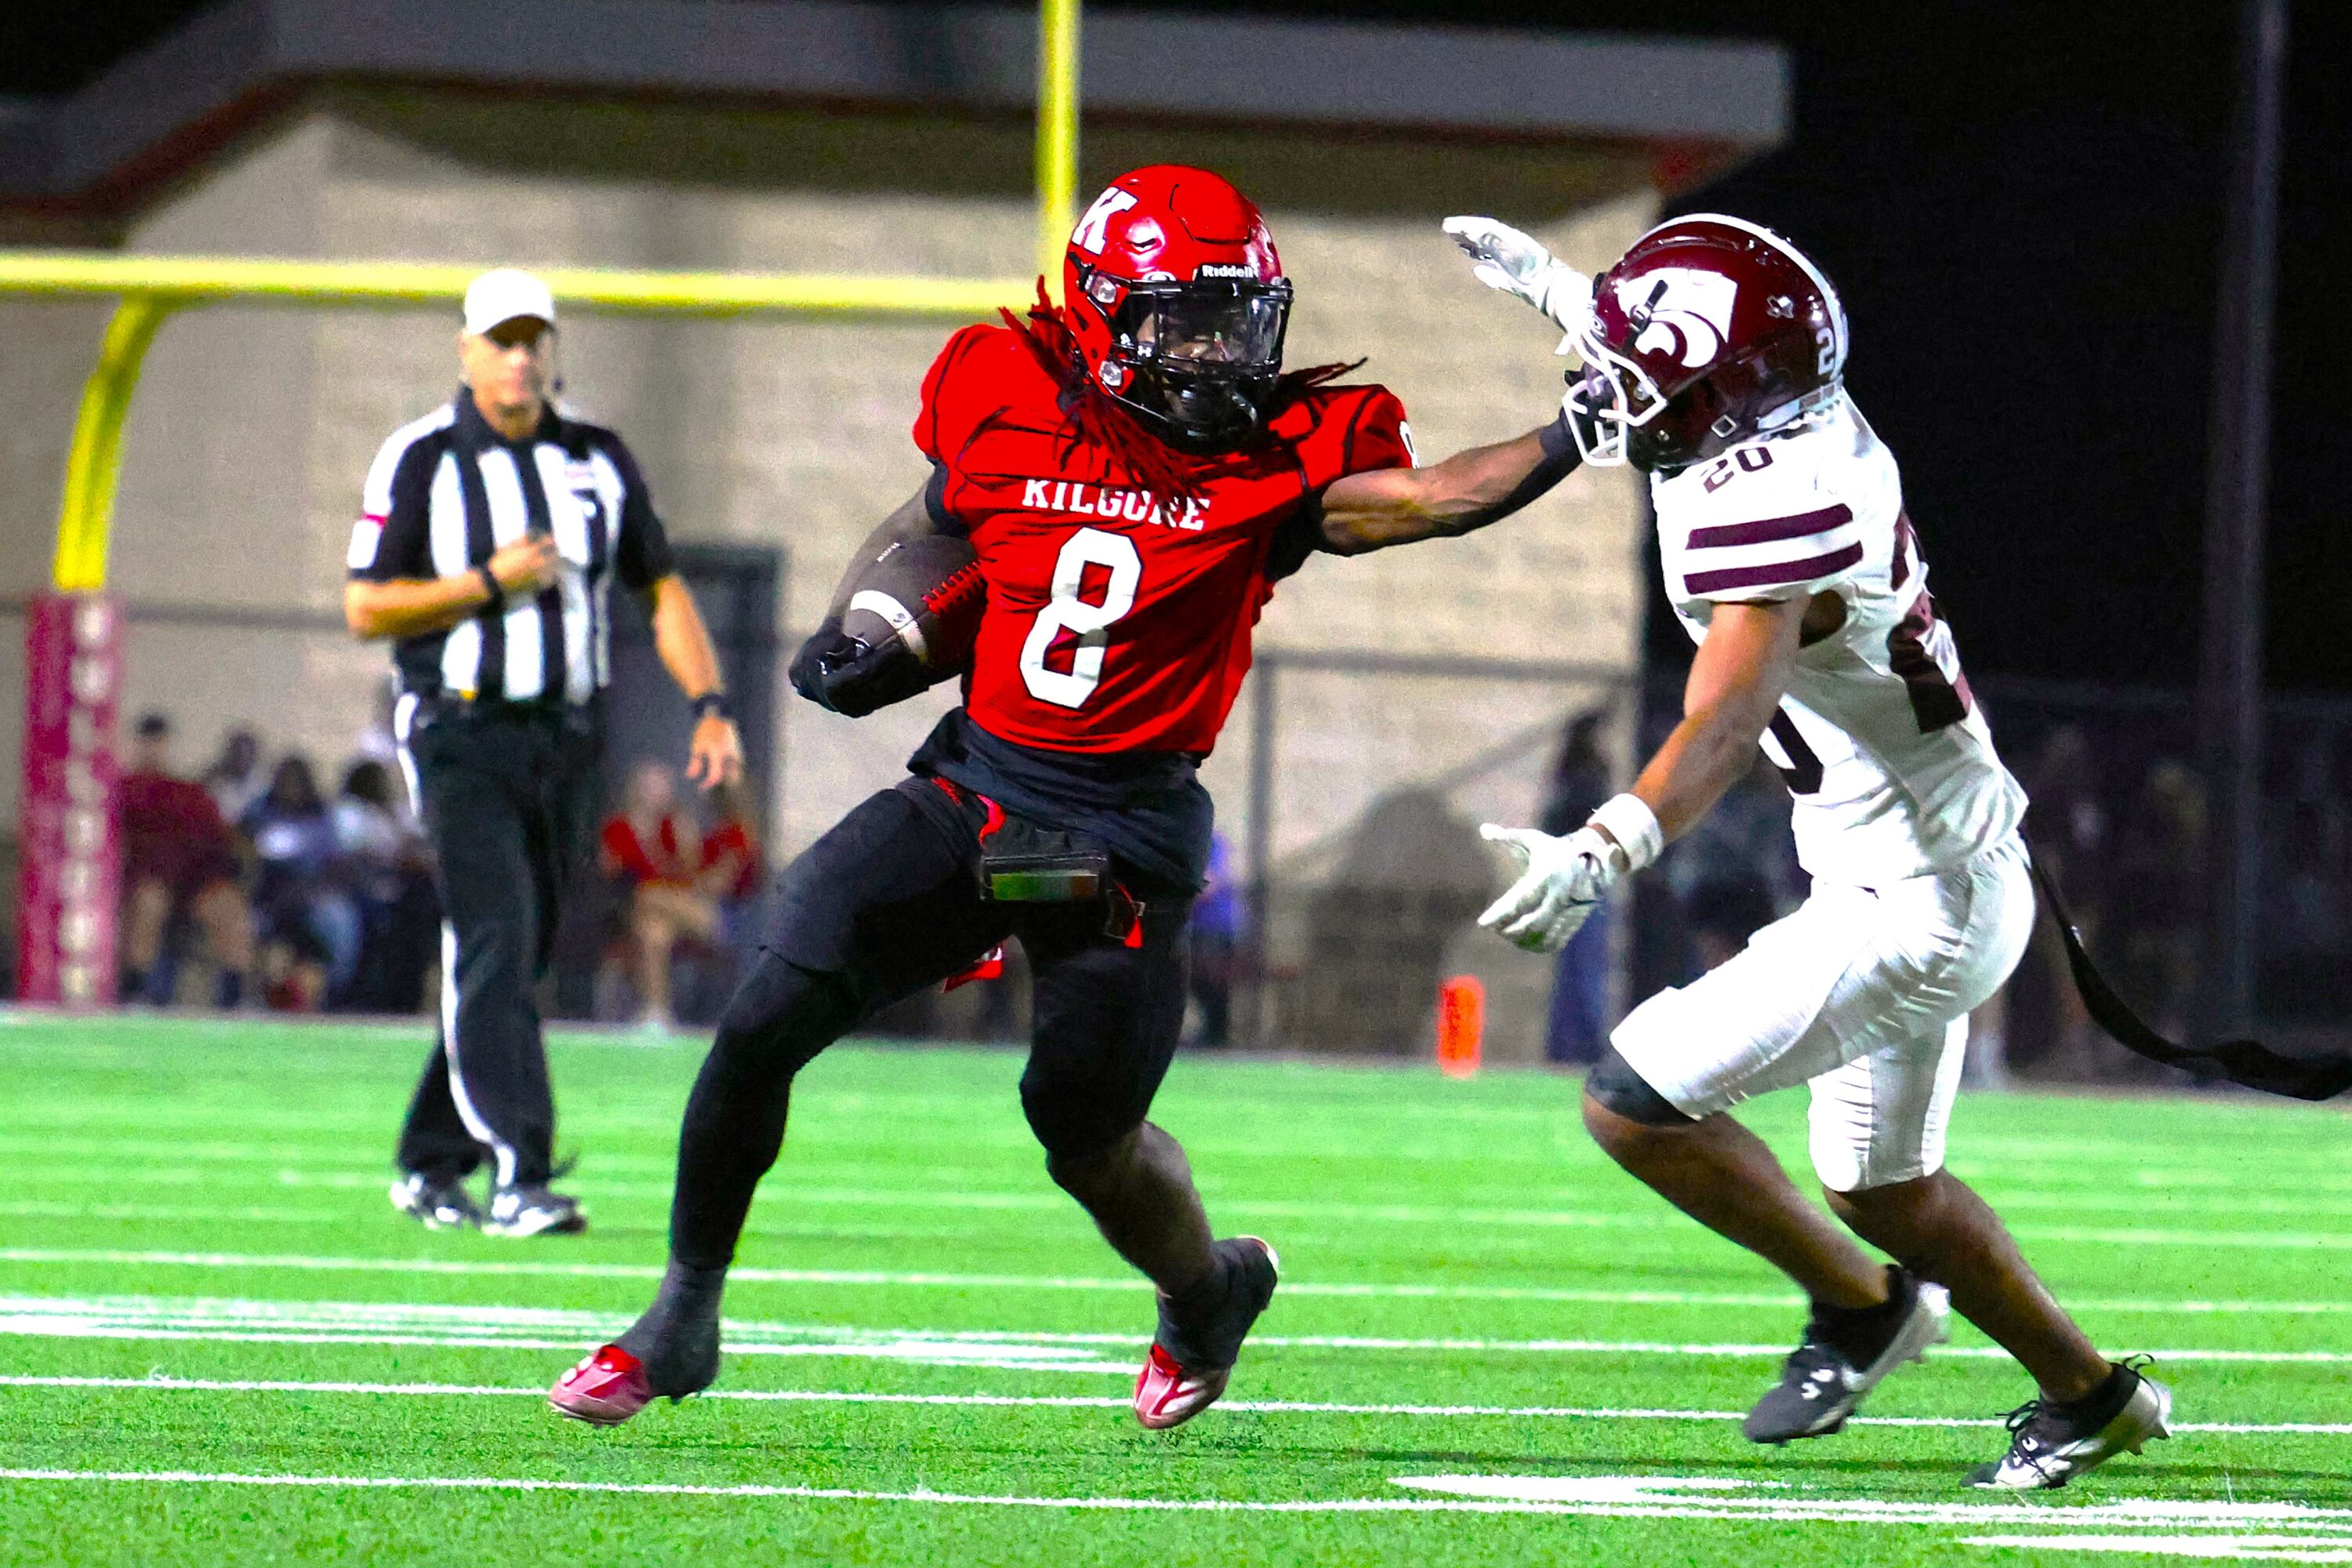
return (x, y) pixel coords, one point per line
(1135, 472)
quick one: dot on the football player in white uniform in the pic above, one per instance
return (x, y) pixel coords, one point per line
(1714, 354)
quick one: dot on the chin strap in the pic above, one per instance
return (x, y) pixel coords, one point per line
(2321, 1076)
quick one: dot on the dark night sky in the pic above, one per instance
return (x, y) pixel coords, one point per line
(2022, 204)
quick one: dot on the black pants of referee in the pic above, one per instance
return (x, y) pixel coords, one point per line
(509, 794)
(884, 905)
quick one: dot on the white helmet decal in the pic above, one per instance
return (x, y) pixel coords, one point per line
(1691, 316)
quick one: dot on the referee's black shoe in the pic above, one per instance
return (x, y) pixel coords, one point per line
(521, 1210)
(1845, 1354)
(435, 1205)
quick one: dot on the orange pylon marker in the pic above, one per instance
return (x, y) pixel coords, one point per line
(1461, 1025)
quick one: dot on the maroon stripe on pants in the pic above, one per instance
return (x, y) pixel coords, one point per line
(1778, 571)
(1771, 527)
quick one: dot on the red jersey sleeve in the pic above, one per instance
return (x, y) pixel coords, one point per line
(1358, 430)
(955, 401)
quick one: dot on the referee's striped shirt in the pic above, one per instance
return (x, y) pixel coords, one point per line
(448, 489)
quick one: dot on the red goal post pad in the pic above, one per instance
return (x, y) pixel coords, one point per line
(69, 834)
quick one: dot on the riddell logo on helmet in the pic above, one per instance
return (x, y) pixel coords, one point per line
(1227, 269)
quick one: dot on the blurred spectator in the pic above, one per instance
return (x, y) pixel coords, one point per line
(1580, 989)
(645, 846)
(368, 829)
(179, 863)
(388, 868)
(375, 743)
(308, 918)
(1215, 936)
(730, 868)
(237, 778)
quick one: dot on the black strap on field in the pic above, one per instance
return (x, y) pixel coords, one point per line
(2322, 1076)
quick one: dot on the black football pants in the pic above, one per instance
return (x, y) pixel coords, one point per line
(509, 796)
(884, 905)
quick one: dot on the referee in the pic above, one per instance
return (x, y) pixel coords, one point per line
(490, 534)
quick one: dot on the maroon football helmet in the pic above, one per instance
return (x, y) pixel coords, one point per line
(1708, 331)
(1178, 303)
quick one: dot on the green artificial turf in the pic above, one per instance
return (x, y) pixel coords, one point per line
(190, 1204)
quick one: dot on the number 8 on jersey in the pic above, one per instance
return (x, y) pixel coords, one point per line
(1070, 615)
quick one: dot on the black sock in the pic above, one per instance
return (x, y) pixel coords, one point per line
(132, 987)
(1203, 1297)
(229, 991)
(677, 1337)
(1843, 1326)
(2103, 1403)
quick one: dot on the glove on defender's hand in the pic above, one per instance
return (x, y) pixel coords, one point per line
(1519, 266)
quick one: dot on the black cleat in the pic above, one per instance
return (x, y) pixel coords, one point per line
(436, 1206)
(1192, 1353)
(532, 1211)
(1845, 1355)
(2050, 1444)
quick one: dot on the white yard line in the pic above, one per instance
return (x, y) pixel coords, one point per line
(1617, 1497)
(234, 1320)
(1078, 1401)
(493, 1268)
(281, 1170)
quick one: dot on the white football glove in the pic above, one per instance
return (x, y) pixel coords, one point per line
(1519, 266)
(1564, 882)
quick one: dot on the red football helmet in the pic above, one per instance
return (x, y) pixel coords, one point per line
(1178, 303)
(1709, 331)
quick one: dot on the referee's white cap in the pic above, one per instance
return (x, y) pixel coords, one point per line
(503, 294)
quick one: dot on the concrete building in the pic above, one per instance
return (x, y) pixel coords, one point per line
(823, 137)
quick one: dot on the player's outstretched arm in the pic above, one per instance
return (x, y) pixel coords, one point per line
(1736, 685)
(1382, 507)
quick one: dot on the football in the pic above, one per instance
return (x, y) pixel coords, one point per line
(924, 595)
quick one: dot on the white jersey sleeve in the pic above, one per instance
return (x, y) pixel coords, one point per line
(1889, 758)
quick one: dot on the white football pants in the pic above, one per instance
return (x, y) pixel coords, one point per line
(1865, 994)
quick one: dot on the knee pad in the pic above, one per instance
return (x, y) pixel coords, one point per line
(1615, 1087)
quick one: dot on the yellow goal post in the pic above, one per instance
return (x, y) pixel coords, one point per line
(150, 287)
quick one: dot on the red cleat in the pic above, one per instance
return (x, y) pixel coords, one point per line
(1190, 1364)
(604, 1390)
(1166, 1396)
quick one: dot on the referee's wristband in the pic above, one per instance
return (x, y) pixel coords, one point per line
(490, 585)
(713, 705)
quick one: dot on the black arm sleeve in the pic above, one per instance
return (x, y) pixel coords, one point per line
(403, 548)
(641, 556)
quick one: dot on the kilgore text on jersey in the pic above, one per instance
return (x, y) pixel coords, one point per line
(1135, 506)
